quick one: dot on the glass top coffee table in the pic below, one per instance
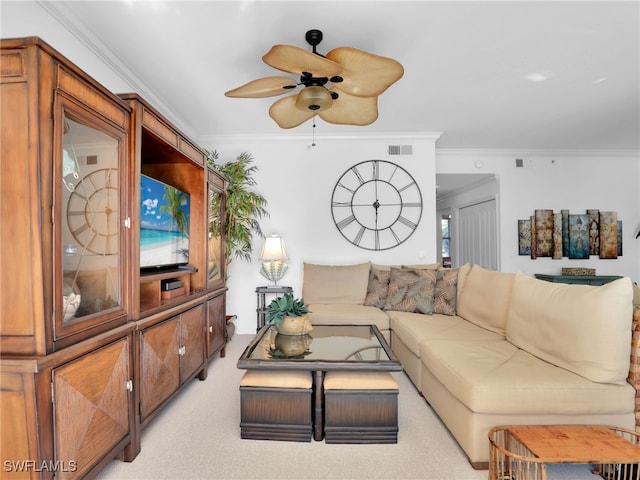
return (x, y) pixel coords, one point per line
(328, 347)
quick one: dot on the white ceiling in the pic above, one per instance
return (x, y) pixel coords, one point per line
(506, 74)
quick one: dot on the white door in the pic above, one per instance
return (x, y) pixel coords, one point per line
(478, 235)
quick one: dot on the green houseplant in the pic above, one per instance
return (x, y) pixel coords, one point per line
(243, 208)
(289, 315)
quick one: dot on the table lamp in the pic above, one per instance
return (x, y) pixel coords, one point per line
(274, 259)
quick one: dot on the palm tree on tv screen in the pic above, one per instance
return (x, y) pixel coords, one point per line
(173, 207)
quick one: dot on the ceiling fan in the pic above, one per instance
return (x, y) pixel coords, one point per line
(341, 87)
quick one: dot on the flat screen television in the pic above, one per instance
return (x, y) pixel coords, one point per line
(164, 225)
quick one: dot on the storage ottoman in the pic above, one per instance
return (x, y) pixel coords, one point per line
(360, 407)
(276, 405)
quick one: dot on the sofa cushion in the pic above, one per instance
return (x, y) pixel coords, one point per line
(485, 298)
(463, 273)
(411, 290)
(495, 377)
(335, 283)
(377, 287)
(346, 314)
(583, 328)
(413, 328)
(276, 378)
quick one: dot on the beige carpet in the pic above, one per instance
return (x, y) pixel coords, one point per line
(197, 436)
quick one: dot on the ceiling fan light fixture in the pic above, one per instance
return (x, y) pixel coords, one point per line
(314, 98)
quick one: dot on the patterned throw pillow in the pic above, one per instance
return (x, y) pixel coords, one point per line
(445, 296)
(411, 290)
(377, 288)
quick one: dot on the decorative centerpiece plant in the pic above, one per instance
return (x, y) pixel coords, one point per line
(289, 315)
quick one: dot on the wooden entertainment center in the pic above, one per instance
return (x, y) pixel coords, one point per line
(91, 346)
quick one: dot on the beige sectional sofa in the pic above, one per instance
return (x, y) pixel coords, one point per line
(488, 348)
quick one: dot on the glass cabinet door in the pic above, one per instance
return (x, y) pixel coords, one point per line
(215, 240)
(89, 187)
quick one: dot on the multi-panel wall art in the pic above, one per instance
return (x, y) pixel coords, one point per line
(576, 236)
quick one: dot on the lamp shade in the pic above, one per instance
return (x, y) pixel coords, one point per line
(273, 258)
(273, 249)
(314, 98)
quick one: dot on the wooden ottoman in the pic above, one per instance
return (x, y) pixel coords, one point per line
(360, 407)
(276, 405)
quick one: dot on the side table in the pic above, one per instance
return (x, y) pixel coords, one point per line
(523, 451)
(262, 293)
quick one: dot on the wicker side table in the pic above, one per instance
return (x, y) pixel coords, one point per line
(522, 452)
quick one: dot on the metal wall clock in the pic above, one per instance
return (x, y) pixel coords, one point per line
(376, 205)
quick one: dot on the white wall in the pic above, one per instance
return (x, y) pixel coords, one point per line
(30, 19)
(576, 181)
(297, 180)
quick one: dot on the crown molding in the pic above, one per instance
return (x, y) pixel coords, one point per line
(65, 16)
(531, 152)
(380, 137)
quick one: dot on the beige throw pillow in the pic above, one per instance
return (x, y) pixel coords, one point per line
(422, 266)
(411, 290)
(485, 298)
(582, 328)
(335, 283)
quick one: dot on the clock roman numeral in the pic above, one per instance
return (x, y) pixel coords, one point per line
(409, 185)
(376, 170)
(341, 204)
(81, 229)
(78, 194)
(108, 250)
(346, 221)
(407, 222)
(358, 237)
(397, 239)
(89, 244)
(111, 178)
(357, 174)
(412, 204)
(377, 239)
(346, 188)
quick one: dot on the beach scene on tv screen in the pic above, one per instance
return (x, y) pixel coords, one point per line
(164, 224)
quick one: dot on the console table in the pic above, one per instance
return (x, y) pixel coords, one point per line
(262, 293)
(578, 279)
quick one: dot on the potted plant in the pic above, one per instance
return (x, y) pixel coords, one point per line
(243, 207)
(289, 315)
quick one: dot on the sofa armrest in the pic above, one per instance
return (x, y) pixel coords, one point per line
(634, 367)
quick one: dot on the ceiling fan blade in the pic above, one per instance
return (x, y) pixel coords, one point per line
(263, 87)
(351, 110)
(286, 114)
(365, 74)
(296, 60)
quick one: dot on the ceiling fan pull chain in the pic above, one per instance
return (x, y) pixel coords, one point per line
(313, 131)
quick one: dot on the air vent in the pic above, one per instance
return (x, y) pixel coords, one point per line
(400, 149)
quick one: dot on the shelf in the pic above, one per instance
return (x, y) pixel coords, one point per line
(151, 288)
